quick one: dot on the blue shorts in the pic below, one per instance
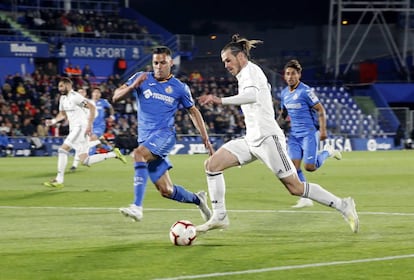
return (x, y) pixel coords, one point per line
(160, 143)
(99, 130)
(304, 147)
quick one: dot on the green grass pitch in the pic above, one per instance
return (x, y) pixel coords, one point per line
(78, 233)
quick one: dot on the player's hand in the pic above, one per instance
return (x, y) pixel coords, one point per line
(50, 122)
(208, 99)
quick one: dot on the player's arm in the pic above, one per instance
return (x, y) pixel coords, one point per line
(125, 90)
(111, 112)
(59, 117)
(245, 96)
(283, 113)
(199, 123)
(322, 120)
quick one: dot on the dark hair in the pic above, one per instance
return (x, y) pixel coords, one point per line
(66, 80)
(294, 64)
(162, 50)
(240, 44)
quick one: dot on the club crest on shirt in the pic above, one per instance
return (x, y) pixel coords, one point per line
(295, 96)
(168, 89)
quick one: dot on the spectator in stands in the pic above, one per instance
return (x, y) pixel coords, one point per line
(73, 107)
(264, 140)
(196, 76)
(28, 128)
(156, 133)
(50, 69)
(77, 71)
(69, 70)
(307, 118)
(42, 130)
(87, 71)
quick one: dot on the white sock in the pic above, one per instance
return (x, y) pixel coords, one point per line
(93, 143)
(61, 166)
(217, 191)
(98, 158)
(322, 196)
(75, 160)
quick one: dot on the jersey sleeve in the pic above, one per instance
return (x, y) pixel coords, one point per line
(132, 78)
(187, 98)
(312, 99)
(80, 100)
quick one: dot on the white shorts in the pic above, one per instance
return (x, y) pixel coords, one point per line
(272, 152)
(77, 139)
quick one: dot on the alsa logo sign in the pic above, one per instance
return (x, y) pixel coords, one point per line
(23, 49)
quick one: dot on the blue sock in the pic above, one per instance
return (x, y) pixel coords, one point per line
(321, 158)
(182, 195)
(301, 176)
(140, 181)
(92, 151)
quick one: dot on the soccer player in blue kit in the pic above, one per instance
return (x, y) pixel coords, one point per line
(307, 125)
(159, 95)
(99, 124)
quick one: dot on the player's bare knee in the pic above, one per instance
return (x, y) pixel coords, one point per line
(165, 191)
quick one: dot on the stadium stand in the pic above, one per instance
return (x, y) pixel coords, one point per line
(31, 93)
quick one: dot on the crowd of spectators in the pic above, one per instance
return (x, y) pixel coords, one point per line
(26, 101)
(82, 23)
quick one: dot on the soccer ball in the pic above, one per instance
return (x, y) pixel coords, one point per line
(183, 233)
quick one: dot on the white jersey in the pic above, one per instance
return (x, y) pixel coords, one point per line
(73, 104)
(259, 116)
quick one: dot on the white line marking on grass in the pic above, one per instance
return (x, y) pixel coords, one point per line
(288, 267)
(180, 210)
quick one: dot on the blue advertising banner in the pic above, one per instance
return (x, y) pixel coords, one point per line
(99, 51)
(25, 49)
(20, 146)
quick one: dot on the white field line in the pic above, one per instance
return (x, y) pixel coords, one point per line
(288, 267)
(250, 271)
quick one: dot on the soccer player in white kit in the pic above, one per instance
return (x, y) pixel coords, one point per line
(94, 141)
(264, 140)
(80, 113)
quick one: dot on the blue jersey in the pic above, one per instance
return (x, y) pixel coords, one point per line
(157, 103)
(101, 106)
(299, 103)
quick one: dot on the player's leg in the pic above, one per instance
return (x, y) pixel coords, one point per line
(158, 171)
(143, 155)
(96, 158)
(75, 162)
(317, 193)
(296, 150)
(274, 155)
(135, 209)
(233, 153)
(159, 174)
(63, 153)
(75, 139)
